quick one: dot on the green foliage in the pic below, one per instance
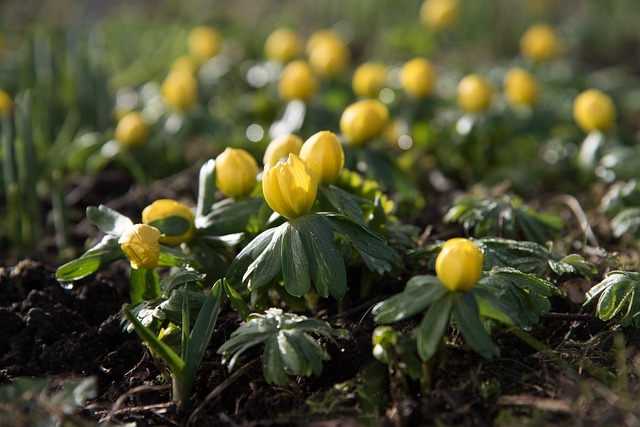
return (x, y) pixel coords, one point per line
(618, 296)
(289, 348)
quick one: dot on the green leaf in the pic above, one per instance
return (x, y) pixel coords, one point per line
(343, 202)
(268, 264)
(465, 311)
(144, 285)
(419, 295)
(295, 267)
(170, 257)
(248, 255)
(230, 216)
(491, 307)
(206, 189)
(272, 364)
(626, 221)
(168, 284)
(433, 326)
(171, 225)
(108, 220)
(87, 265)
(236, 300)
(617, 293)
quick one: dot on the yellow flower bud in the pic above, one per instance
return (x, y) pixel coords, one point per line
(6, 103)
(474, 93)
(204, 42)
(323, 152)
(283, 45)
(165, 208)
(141, 244)
(290, 188)
(520, 87)
(236, 172)
(328, 54)
(363, 120)
(439, 15)
(540, 43)
(131, 131)
(279, 149)
(368, 79)
(418, 77)
(594, 110)
(180, 90)
(459, 264)
(297, 81)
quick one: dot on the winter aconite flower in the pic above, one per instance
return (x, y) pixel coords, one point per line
(520, 87)
(297, 81)
(459, 264)
(236, 172)
(290, 188)
(131, 131)
(6, 103)
(279, 149)
(474, 93)
(439, 15)
(180, 90)
(323, 152)
(594, 110)
(166, 208)
(363, 121)
(540, 43)
(417, 77)
(283, 45)
(327, 53)
(204, 42)
(141, 244)
(368, 79)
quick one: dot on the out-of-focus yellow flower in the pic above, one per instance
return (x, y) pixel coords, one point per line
(459, 264)
(520, 87)
(363, 120)
(328, 54)
(6, 103)
(141, 244)
(187, 63)
(540, 43)
(180, 90)
(439, 15)
(368, 79)
(594, 110)
(290, 188)
(323, 152)
(417, 77)
(474, 93)
(204, 42)
(283, 45)
(165, 208)
(279, 149)
(236, 172)
(297, 81)
(131, 131)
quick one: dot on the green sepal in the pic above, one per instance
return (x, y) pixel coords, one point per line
(433, 326)
(465, 311)
(108, 220)
(420, 293)
(144, 285)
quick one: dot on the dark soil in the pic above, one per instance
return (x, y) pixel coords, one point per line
(50, 331)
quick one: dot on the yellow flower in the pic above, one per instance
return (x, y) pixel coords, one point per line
(439, 14)
(165, 208)
(180, 90)
(141, 244)
(131, 131)
(520, 87)
(283, 45)
(323, 152)
(236, 172)
(363, 120)
(474, 93)
(6, 103)
(204, 42)
(594, 110)
(290, 188)
(297, 81)
(280, 148)
(540, 43)
(418, 77)
(328, 54)
(368, 79)
(186, 63)
(459, 264)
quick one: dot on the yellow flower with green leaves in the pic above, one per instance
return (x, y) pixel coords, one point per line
(204, 42)
(439, 15)
(180, 90)
(166, 208)
(283, 45)
(6, 103)
(459, 264)
(363, 121)
(279, 149)
(540, 43)
(368, 79)
(474, 93)
(290, 188)
(141, 244)
(594, 111)
(236, 172)
(324, 153)
(328, 54)
(131, 131)
(297, 81)
(520, 87)
(418, 77)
